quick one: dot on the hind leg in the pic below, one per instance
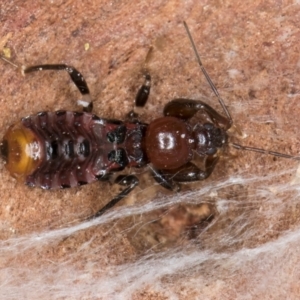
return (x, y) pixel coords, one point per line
(76, 77)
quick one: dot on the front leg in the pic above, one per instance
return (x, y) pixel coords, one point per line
(190, 172)
(165, 180)
(187, 108)
(170, 179)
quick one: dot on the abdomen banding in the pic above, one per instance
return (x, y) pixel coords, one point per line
(52, 149)
(66, 149)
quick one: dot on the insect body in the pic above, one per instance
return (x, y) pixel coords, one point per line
(66, 149)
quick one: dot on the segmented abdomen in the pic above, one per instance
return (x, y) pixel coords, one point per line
(66, 149)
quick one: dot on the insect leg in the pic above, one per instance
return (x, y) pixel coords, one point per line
(187, 108)
(164, 180)
(187, 173)
(143, 92)
(190, 172)
(142, 95)
(130, 182)
(76, 77)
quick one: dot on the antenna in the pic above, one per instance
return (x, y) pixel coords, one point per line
(213, 87)
(263, 151)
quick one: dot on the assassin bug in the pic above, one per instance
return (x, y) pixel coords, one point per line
(64, 149)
